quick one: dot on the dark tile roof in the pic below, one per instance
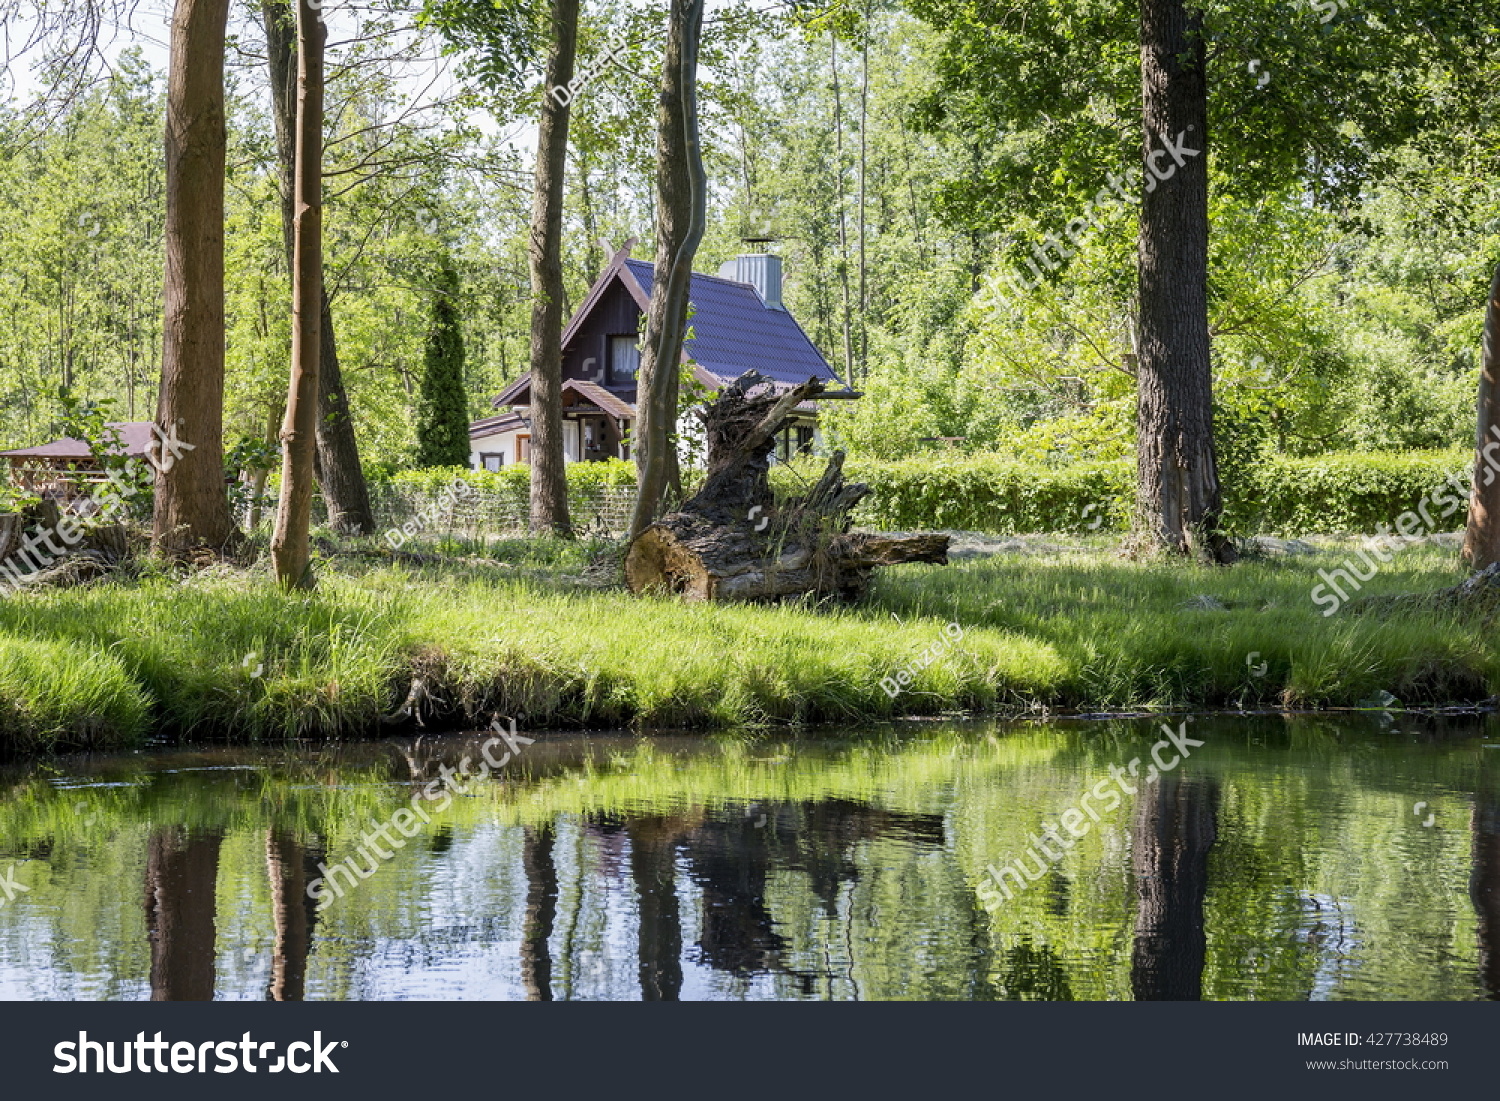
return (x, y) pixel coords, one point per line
(491, 426)
(733, 332)
(612, 404)
(135, 435)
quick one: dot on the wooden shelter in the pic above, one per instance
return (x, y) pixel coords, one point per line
(66, 469)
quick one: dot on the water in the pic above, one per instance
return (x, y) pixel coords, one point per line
(1330, 857)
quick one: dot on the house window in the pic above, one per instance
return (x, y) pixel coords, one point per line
(624, 358)
(490, 460)
(523, 449)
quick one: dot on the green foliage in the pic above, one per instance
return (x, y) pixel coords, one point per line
(81, 211)
(55, 693)
(13, 499)
(232, 656)
(983, 493)
(443, 406)
(1351, 249)
(1337, 493)
(89, 421)
(511, 485)
(1345, 492)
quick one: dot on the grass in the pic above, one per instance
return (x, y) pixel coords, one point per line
(55, 693)
(224, 654)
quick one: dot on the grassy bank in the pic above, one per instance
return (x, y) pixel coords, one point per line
(225, 654)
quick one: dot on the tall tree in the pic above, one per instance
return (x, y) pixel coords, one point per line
(192, 507)
(290, 867)
(1177, 476)
(336, 460)
(681, 194)
(838, 198)
(1051, 87)
(442, 405)
(1176, 825)
(541, 911)
(290, 545)
(181, 870)
(1482, 539)
(549, 482)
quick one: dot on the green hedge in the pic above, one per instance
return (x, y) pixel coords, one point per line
(1338, 493)
(1347, 492)
(1342, 492)
(981, 494)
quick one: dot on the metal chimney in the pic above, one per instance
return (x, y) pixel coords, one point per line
(762, 270)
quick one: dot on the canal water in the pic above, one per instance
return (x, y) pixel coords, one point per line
(1338, 856)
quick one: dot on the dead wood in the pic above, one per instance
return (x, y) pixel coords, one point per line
(731, 541)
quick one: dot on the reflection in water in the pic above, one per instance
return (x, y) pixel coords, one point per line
(541, 913)
(1282, 861)
(1175, 827)
(181, 873)
(659, 929)
(1484, 888)
(290, 868)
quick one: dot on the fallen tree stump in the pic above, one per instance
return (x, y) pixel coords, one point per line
(730, 541)
(98, 549)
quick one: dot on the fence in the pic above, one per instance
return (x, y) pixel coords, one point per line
(480, 513)
(484, 512)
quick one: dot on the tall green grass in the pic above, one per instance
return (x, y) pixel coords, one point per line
(56, 693)
(230, 656)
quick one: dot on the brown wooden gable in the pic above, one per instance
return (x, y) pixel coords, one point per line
(614, 312)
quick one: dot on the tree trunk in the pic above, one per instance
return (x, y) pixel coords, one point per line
(1484, 887)
(260, 474)
(1482, 539)
(864, 266)
(1176, 825)
(290, 549)
(1177, 471)
(549, 480)
(681, 191)
(181, 875)
(838, 195)
(653, 867)
(541, 910)
(192, 507)
(336, 463)
(731, 543)
(294, 915)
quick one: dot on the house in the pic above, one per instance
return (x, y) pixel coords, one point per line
(738, 323)
(66, 468)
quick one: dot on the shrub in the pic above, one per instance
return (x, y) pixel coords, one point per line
(982, 493)
(1330, 494)
(1337, 493)
(1347, 492)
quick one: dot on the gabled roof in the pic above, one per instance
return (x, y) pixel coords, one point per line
(598, 395)
(733, 331)
(135, 435)
(519, 393)
(494, 426)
